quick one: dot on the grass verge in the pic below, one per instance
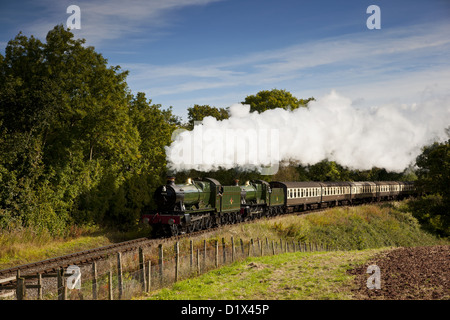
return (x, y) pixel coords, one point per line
(24, 246)
(289, 276)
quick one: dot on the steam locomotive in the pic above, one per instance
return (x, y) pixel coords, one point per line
(206, 203)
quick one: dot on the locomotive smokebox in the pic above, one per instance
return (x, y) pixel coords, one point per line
(170, 180)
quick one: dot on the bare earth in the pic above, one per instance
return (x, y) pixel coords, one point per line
(418, 273)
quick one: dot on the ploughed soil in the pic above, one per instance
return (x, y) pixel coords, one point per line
(417, 273)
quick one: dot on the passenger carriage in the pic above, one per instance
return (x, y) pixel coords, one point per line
(363, 191)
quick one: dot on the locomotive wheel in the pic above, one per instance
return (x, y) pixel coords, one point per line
(174, 230)
(207, 223)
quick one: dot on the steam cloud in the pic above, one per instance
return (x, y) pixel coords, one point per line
(389, 136)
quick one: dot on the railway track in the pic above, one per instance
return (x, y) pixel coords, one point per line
(8, 276)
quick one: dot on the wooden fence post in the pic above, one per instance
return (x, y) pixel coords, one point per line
(149, 275)
(39, 286)
(191, 251)
(94, 281)
(119, 274)
(224, 251)
(217, 252)
(232, 250)
(242, 247)
(177, 260)
(198, 261)
(110, 286)
(62, 287)
(60, 283)
(160, 263)
(204, 254)
(21, 291)
(273, 247)
(142, 268)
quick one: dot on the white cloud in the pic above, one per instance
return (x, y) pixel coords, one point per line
(396, 63)
(110, 19)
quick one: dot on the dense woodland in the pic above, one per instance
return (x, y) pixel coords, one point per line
(78, 147)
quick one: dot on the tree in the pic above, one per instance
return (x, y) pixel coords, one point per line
(72, 134)
(434, 178)
(434, 168)
(275, 98)
(199, 112)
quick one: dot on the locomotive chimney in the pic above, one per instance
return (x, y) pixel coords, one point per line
(170, 180)
(236, 182)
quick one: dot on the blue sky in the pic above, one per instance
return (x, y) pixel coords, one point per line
(216, 52)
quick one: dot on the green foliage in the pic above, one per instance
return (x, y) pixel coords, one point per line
(433, 209)
(361, 227)
(275, 98)
(198, 112)
(76, 146)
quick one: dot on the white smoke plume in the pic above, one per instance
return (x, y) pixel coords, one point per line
(388, 136)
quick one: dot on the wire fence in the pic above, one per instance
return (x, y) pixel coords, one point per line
(131, 274)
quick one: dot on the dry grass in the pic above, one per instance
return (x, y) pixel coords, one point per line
(24, 246)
